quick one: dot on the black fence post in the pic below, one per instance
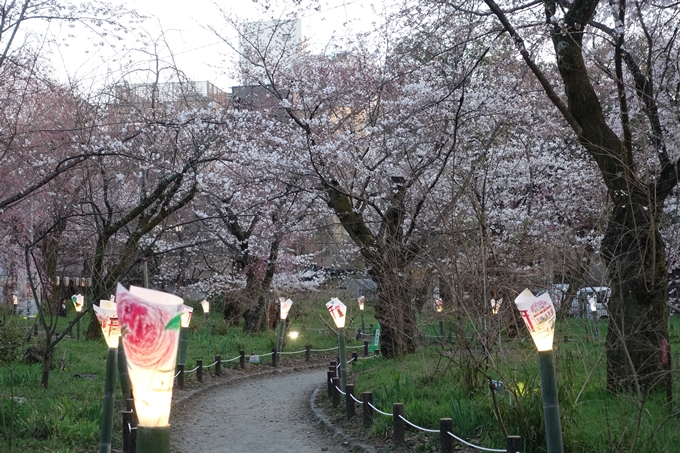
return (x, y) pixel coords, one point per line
(445, 441)
(275, 361)
(336, 392)
(242, 359)
(329, 381)
(334, 368)
(218, 365)
(355, 358)
(514, 444)
(128, 433)
(199, 370)
(367, 400)
(180, 376)
(350, 409)
(398, 423)
(365, 348)
(308, 353)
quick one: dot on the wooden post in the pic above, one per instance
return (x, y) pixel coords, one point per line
(367, 399)
(180, 376)
(397, 423)
(355, 358)
(514, 444)
(275, 361)
(445, 441)
(218, 365)
(329, 381)
(336, 392)
(308, 353)
(350, 407)
(242, 359)
(199, 370)
(365, 348)
(334, 368)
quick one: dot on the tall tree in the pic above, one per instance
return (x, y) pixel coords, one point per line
(618, 70)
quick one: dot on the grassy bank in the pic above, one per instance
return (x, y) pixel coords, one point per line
(440, 381)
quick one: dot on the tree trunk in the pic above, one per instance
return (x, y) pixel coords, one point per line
(634, 253)
(47, 364)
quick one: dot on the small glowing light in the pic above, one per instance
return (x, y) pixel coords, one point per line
(15, 300)
(107, 315)
(78, 302)
(361, 303)
(337, 310)
(187, 311)
(496, 305)
(539, 316)
(293, 335)
(284, 305)
(439, 305)
(206, 306)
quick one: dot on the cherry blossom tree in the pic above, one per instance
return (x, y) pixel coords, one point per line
(617, 68)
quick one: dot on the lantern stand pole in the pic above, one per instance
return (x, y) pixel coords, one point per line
(551, 407)
(183, 340)
(363, 326)
(343, 358)
(279, 341)
(109, 389)
(153, 439)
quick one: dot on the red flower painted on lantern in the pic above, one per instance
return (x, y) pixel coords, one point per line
(147, 343)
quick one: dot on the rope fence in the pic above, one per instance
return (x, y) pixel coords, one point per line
(399, 421)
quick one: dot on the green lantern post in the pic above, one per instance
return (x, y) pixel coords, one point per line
(187, 311)
(284, 308)
(108, 320)
(338, 310)
(78, 302)
(539, 316)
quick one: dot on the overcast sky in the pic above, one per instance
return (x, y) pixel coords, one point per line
(196, 51)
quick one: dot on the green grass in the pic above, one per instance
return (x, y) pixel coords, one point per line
(439, 382)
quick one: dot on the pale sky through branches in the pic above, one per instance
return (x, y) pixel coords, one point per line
(195, 49)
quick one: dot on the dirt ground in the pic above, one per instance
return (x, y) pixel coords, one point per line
(266, 411)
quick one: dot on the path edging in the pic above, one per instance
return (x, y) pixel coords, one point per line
(351, 442)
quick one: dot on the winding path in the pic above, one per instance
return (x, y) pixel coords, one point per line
(261, 414)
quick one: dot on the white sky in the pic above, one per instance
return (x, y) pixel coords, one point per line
(196, 51)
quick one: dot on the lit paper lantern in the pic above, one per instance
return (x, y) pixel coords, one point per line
(206, 306)
(539, 316)
(439, 305)
(361, 303)
(78, 302)
(293, 335)
(150, 324)
(285, 307)
(496, 305)
(107, 315)
(592, 301)
(337, 310)
(187, 311)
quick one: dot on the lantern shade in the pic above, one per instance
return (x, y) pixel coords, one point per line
(285, 307)
(439, 305)
(150, 325)
(107, 315)
(206, 306)
(187, 311)
(15, 300)
(78, 302)
(539, 316)
(337, 310)
(361, 303)
(496, 305)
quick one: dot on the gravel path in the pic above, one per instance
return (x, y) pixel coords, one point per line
(260, 414)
